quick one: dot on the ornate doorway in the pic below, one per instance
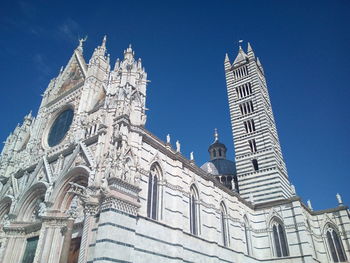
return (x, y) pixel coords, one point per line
(74, 250)
(29, 253)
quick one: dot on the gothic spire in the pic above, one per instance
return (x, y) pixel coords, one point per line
(250, 51)
(241, 57)
(129, 53)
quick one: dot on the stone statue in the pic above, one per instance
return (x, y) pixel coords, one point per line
(309, 205)
(73, 208)
(340, 201)
(191, 156)
(6, 220)
(178, 146)
(48, 192)
(168, 139)
(41, 209)
(104, 184)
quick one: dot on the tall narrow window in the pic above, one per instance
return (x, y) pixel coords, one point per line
(246, 107)
(279, 240)
(247, 236)
(252, 145)
(224, 225)
(194, 211)
(152, 201)
(335, 246)
(255, 164)
(249, 126)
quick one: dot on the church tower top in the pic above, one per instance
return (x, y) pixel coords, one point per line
(257, 149)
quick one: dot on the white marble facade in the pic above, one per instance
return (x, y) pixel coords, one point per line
(102, 183)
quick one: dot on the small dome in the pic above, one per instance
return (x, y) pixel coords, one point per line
(220, 167)
(209, 167)
(225, 166)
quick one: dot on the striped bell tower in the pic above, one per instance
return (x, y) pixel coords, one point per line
(261, 170)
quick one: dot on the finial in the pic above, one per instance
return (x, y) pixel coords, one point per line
(216, 135)
(309, 204)
(240, 44)
(340, 201)
(191, 156)
(104, 40)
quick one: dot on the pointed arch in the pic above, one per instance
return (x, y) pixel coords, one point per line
(60, 198)
(334, 245)
(194, 210)
(5, 205)
(29, 201)
(279, 237)
(225, 233)
(154, 178)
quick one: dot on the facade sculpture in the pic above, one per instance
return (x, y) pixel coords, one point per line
(84, 181)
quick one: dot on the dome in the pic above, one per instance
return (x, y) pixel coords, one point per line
(220, 167)
(209, 167)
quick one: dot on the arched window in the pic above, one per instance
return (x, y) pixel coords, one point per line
(279, 239)
(335, 246)
(194, 211)
(152, 201)
(247, 236)
(224, 225)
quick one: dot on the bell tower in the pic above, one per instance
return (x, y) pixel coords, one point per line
(261, 170)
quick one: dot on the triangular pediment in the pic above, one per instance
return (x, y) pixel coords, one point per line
(72, 76)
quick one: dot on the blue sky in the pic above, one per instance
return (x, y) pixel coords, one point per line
(303, 46)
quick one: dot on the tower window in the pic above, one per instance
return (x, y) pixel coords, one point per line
(246, 107)
(249, 126)
(255, 164)
(214, 153)
(252, 145)
(244, 90)
(241, 72)
(220, 153)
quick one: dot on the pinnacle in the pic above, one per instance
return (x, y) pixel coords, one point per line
(227, 58)
(104, 40)
(249, 48)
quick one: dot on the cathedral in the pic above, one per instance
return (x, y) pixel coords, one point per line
(85, 181)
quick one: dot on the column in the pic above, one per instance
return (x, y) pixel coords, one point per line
(66, 241)
(90, 212)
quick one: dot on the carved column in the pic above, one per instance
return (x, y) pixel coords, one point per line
(66, 241)
(51, 238)
(90, 210)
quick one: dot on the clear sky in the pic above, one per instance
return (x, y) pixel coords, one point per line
(303, 46)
